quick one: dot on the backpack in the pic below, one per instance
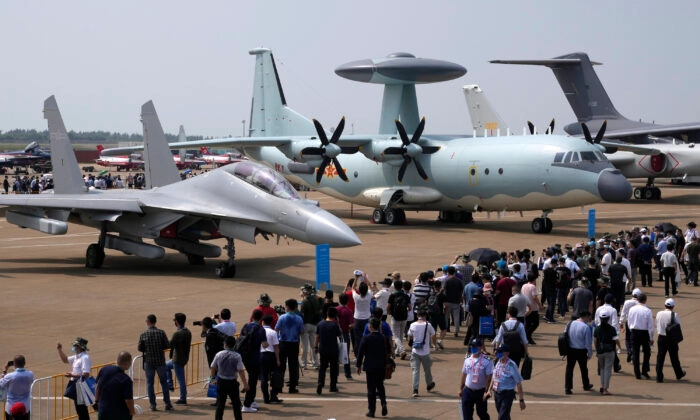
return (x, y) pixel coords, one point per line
(511, 338)
(399, 308)
(245, 345)
(433, 304)
(563, 341)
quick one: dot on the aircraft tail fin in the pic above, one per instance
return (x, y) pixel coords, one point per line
(485, 119)
(66, 172)
(580, 84)
(100, 148)
(269, 113)
(160, 169)
(203, 150)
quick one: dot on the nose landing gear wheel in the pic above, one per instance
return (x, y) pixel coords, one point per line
(542, 225)
(94, 256)
(226, 271)
(378, 217)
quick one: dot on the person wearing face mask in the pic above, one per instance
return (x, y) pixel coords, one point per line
(114, 391)
(504, 382)
(476, 376)
(81, 365)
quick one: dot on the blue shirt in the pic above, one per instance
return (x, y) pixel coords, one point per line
(290, 326)
(18, 385)
(581, 336)
(386, 329)
(469, 291)
(506, 376)
(477, 370)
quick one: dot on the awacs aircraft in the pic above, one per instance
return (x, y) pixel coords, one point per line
(31, 155)
(451, 174)
(656, 150)
(125, 162)
(237, 201)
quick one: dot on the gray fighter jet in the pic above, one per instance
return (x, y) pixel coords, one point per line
(237, 201)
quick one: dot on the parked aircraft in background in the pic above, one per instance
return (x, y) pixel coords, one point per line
(237, 201)
(126, 162)
(31, 155)
(449, 174)
(220, 160)
(658, 151)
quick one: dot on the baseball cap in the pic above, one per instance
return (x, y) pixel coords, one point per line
(670, 303)
(503, 348)
(18, 409)
(476, 342)
(636, 292)
(604, 315)
(643, 230)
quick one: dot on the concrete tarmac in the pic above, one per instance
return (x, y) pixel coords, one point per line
(48, 296)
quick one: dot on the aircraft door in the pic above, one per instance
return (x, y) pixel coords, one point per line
(473, 175)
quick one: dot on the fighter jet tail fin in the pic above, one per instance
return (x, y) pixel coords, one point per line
(269, 113)
(159, 167)
(485, 119)
(66, 172)
(580, 84)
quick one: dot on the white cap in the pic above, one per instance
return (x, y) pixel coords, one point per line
(670, 303)
(357, 272)
(636, 292)
(643, 230)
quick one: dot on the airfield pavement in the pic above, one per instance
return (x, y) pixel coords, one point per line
(47, 296)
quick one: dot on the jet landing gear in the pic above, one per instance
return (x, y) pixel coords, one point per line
(542, 224)
(389, 216)
(648, 192)
(228, 269)
(95, 254)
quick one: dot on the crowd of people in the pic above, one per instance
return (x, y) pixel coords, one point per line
(315, 332)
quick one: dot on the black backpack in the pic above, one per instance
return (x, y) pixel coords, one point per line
(563, 341)
(433, 304)
(245, 344)
(511, 338)
(399, 307)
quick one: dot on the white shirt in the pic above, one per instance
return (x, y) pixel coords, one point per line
(669, 259)
(628, 266)
(640, 318)
(605, 262)
(81, 363)
(411, 313)
(272, 340)
(382, 298)
(226, 327)
(529, 290)
(362, 305)
(417, 330)
(663, 318)
(626, 309)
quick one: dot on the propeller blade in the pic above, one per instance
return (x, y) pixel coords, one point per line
(419, 131)
(321, 132)
(321, 170)
(312, 151)
(420, 169)
(601, 132)
(402, 133)
(393, 151)
(339, 169)
(429, 150)
(402, 169)
(551, 127)
(338, 131)
(586, 133)
(531, 126)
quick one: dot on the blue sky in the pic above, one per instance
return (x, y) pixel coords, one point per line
(103, 60)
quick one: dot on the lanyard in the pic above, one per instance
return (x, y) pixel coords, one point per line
(498, 372)
(476, 368)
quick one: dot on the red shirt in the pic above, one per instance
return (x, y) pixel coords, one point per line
(345, 318)
(267, 310)
(351, 301)
(505, 288)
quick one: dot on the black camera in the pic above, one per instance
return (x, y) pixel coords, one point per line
(197, 323)
(11, 363)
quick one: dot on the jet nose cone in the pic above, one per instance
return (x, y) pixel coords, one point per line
(613, 186)
(324, 228)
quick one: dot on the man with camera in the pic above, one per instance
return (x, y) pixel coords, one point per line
(17, 384)
(225, 325)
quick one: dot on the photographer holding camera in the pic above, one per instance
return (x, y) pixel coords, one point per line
(17, 385)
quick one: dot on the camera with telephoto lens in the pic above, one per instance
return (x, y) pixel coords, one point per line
(197, 323)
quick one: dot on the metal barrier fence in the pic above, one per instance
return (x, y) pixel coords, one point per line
(49, 403)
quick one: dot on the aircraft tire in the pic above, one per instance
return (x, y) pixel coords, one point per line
(226, 271)
(195, 259)
(402, 216)
(392, 217)
(548, 225)
(638, 193)
(648, 193)
(656, 193)
(94, 256)
(378, 216)
(538, 225)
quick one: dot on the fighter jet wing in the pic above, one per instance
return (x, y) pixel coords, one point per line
(98, 202)
(672, 130)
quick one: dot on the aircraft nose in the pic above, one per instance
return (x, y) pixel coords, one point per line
(325, 228)
(613, 186)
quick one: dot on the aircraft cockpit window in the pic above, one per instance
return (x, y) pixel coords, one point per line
(567, 158)
(601, 156)
(558, 157)
(574, 157)
(266, 179)
(589, 155)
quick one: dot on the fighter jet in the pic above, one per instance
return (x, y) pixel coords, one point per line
(237, 201)
(655, 150)
(455, 175)
(30, 155)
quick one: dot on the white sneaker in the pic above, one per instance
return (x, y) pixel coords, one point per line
(254, 405)
(249, 409)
